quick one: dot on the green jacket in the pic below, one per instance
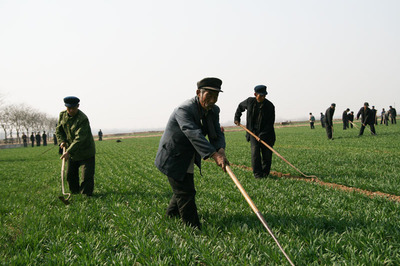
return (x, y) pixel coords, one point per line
(76, 132)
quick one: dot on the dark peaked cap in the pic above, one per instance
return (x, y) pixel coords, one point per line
(71, 101)
(210, 84)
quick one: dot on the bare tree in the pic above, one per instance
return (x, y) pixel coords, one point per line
(16, 119)
(22, 117)
(5, 120)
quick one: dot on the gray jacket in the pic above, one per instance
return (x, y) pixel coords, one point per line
(184, 137)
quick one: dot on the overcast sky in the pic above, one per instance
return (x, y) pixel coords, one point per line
(132, 62)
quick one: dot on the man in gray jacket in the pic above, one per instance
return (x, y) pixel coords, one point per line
(184, 144)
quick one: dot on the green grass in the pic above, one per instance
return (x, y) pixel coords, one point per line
(124, 222)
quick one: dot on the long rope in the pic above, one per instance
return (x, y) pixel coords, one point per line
(62, 178)
(364, 126)
(256, 211)
(274, 151)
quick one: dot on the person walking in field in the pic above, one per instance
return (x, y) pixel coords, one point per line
(184, 144)
(367, 118)
(393, 114)
(329, 120)
(75, 135)
(383, 116)
(345, 119)
(322, 120)
(312, 121)
(350, 118)
(25, 139)
(100, 134)
(38, 139)
(374, 115)
(260, 119)
(32, 140)
(44, 137)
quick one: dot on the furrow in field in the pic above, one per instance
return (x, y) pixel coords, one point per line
(331, 185)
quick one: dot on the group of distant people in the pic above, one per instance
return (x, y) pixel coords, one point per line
(36, 138)
(368, 117)
(386, 115)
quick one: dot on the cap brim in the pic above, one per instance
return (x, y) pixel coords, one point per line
(211, 89)
(71, 105)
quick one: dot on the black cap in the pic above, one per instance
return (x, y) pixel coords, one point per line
(366, 104)
(261, 89)
(333, 104)
(71, 101)
(210, 84)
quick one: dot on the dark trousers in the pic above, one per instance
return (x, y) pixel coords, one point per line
(393, 119)
(182, 203)
(87, 185)
(312, 125)
(261, 158)
(345, 124)
(329, 131)
(372, 127)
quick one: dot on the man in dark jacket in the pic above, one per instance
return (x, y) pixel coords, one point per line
(74, 133)
(374, 115)
(322, 120)
(260, 120)
(44, 137)
(350, 117)
(393, 114)
(32, 140)
(367, 118)
(329, 120)
(38, 138)
(184, 144)
(345, 119)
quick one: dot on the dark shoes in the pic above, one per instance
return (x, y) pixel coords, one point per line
(259, 176)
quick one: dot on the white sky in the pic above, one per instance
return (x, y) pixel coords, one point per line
(132, 62)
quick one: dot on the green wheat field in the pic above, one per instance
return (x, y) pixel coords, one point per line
(124, 222)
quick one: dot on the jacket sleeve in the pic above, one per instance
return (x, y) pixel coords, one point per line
(186, 121)
(60, 133)
(359, 113)
(240, 109)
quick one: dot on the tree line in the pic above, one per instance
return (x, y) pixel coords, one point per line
(21, 118)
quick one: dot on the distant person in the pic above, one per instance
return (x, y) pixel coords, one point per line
(38, 139)
(345, 119)
(350, 118)
(329, 120)
(260, 119)
(74, 133)
(100, 134)
(393, 114)
(24, 139)
(184, 144)
(54, 139)
(367, 118)
(383, 115)
(44, 137)
(374, 115)
(387, 117)
(32, 140)
(312, 121)
(322, 120)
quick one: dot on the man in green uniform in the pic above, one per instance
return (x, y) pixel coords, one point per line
(74, 133)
